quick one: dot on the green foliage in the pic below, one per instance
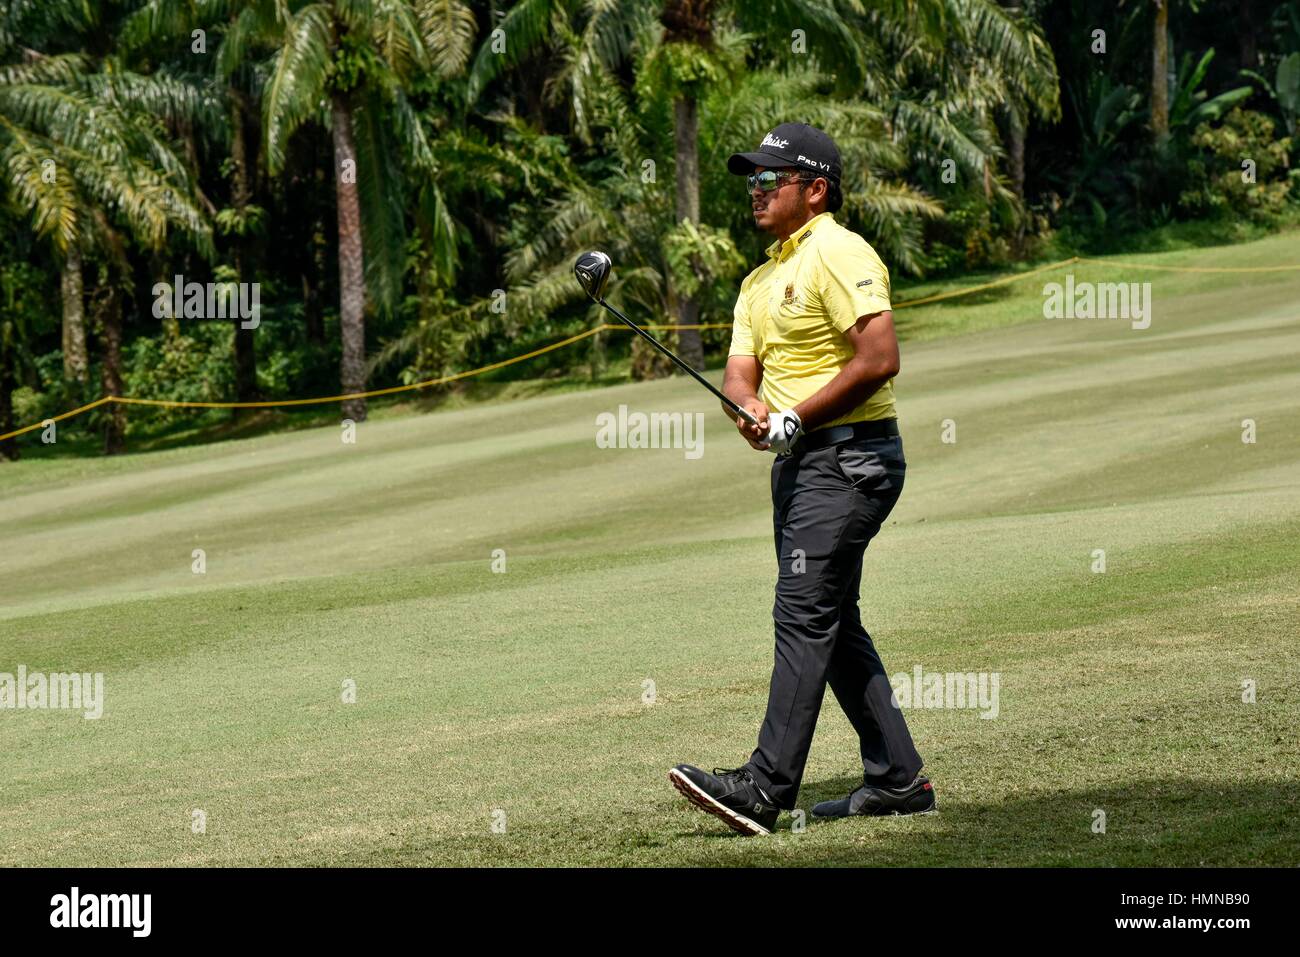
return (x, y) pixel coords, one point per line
(699, 255)
(493, 145)
(687, 69)
(969, 238)
(1220, 185)
(24, 317)
(1191, 105)
(1101, 180)
(249, 220)
(299, 74)
(191, 364)
(1288, 89)
(354, 59)
(1285, 89)
(448, 28)
(71, 143)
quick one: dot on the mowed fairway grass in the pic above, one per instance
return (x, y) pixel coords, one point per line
(485, 697)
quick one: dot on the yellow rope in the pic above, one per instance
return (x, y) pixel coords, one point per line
(984, 285)
(165, 403)
(372, 393)
(369, 394)
(57, 418)
(126, 400)
(1244, 269)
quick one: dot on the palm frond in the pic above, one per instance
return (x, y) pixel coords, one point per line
(40, 184)
(448, 29)
(397, 34)
(63, 68)
(379, 183)
(158, 22)
(296, 86)
(1013, 47)
(254, 25)
(522, 31)
(173, 100)
(892, 214)
(937, 135)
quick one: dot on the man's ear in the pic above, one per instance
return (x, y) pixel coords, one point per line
(824, 195)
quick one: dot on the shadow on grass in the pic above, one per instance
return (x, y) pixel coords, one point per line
(1148, 822)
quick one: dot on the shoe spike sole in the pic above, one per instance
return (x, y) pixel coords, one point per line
(707, 804)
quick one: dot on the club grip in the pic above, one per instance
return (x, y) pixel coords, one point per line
(746, 415)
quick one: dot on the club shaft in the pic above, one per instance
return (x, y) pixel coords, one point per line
(743, 413)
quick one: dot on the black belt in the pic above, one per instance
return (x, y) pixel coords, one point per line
(839, 434)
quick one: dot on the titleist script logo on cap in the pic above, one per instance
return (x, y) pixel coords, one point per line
(770, 140)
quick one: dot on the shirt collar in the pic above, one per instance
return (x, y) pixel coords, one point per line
(781, 251)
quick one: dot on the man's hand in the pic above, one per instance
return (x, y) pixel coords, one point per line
(784, 431)
(755, 435)
(740, 384)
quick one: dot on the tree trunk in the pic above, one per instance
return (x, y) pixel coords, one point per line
(316, 266)
(242, 195)
(1160, 73)
(1016, 169)
(1247, 37)
(75, 361)
(245, 366)
(311, 308)
(161, 272)
(1016, 151)
(108, 326)
(686, 136)
(8, 381)
(597, 362)
(352, 279)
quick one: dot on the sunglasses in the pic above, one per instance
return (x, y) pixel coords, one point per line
(770, 179)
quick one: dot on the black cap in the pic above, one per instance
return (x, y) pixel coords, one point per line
(792, 144)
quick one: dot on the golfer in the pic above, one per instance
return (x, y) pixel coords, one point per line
(813, 356)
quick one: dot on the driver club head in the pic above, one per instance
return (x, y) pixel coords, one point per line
(592, 270)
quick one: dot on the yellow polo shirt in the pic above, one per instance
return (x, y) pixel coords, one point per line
(792, 312)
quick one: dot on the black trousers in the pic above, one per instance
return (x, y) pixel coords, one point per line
(827, 505)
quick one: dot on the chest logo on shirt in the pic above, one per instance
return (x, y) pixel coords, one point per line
(789, 295)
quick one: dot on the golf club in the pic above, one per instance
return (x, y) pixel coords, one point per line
(592, 270)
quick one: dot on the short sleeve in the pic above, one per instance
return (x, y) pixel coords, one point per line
(854, 283)
(742, 330)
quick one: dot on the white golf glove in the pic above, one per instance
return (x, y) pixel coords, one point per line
(784, 429)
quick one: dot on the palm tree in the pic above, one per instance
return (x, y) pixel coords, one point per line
(1160, 73)
(1039, 96)
(83, 155)
(888, 50)
(967, 93)
(687, 41)
(170, 24)
(346, 66)
(607, 204)
(682, 36)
